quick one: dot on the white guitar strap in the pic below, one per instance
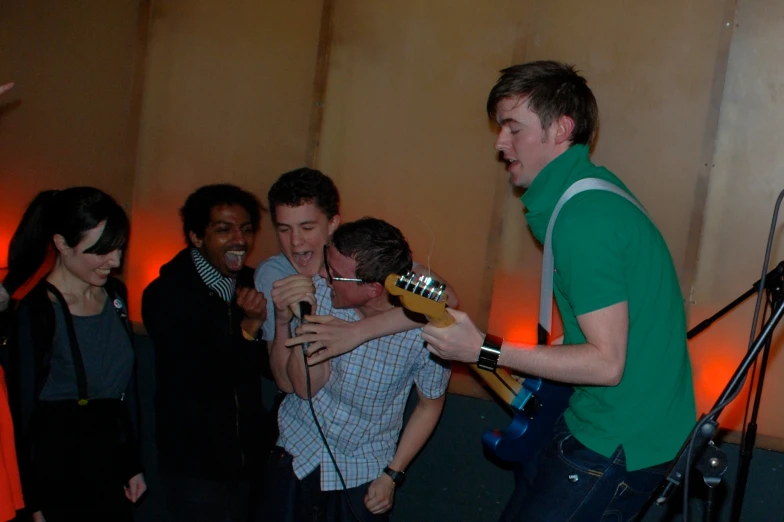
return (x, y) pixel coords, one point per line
(548, 263)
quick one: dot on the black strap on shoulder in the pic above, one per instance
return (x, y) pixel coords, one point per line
(76, 354)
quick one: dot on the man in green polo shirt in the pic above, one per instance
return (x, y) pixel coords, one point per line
(615, 285)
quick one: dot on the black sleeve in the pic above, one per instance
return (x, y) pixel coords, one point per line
(22, 379)
(132, 458)
(133, 463)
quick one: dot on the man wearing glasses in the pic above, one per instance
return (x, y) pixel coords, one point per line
(339, 426)
(304, 205)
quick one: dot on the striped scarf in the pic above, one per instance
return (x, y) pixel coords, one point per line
(222, 285)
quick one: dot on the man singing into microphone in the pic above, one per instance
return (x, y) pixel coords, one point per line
(358, 398)
(204, 316)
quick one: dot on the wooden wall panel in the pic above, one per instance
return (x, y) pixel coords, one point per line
(746, 179)
(406, 137)
(405, 134)
(70, 120)
(651, 68)
(227, 98)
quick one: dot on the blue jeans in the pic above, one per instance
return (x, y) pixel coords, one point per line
(569, 482)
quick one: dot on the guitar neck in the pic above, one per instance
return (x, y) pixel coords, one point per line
(500, 381)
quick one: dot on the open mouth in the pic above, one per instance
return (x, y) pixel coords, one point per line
(302, 258)
(511, 163)
(235, 259)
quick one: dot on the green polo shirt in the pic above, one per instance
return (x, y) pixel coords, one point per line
(607, 251)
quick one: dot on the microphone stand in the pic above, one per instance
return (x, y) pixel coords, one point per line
(699, 447)
(699, 450)
(775, 289)
(772, 279)
(774, 284)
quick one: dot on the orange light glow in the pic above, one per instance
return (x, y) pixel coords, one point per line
(515, 309)
(6, 231)
(10, 222)
(154, 242)
(712, 370)
(522, 332)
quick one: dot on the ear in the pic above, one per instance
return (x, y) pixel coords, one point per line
(333, 224)
(564, 127)
(60, 244)
(375, 289)
(195, 240)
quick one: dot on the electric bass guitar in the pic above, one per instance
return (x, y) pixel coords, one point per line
(536, 403)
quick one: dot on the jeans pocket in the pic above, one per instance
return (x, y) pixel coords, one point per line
(573, 453)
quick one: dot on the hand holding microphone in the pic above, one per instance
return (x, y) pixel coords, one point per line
(288, 293)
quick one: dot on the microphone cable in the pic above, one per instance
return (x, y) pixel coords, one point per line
(306, 309)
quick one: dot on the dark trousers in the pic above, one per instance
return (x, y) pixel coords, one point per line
(289, 499)
(77, 462)
(569, 482)
(191, 499)
(91, 505)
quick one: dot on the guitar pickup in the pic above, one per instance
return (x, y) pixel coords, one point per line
(532, 407)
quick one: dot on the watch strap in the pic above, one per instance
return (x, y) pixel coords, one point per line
(396, 476)
(489, 352)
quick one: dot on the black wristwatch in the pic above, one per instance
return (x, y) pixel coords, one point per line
(489, 352)
(398, 477)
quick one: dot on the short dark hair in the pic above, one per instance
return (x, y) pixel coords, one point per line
(197, 211)
(378, 248)
(304, 185)
(552, 89)
(70, 213)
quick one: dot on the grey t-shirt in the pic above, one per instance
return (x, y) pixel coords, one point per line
(106, 351)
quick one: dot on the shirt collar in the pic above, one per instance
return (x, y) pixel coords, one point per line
(222, 285)
(554, 179)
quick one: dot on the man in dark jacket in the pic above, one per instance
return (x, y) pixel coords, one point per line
(203, 316)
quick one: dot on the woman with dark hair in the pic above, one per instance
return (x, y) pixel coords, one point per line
(72, 377)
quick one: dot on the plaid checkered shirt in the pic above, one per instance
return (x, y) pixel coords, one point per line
(361, 406)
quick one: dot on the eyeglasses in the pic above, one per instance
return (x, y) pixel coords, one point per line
(329, 272)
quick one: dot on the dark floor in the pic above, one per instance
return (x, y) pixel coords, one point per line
(451, 480)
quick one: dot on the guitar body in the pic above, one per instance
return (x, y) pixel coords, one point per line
(537, 403)
(536, 409)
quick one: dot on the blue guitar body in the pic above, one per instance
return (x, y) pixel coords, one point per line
(537, 406)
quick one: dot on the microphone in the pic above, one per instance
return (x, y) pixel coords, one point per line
(305, 309)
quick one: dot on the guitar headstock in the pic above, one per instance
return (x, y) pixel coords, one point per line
(420, 294)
